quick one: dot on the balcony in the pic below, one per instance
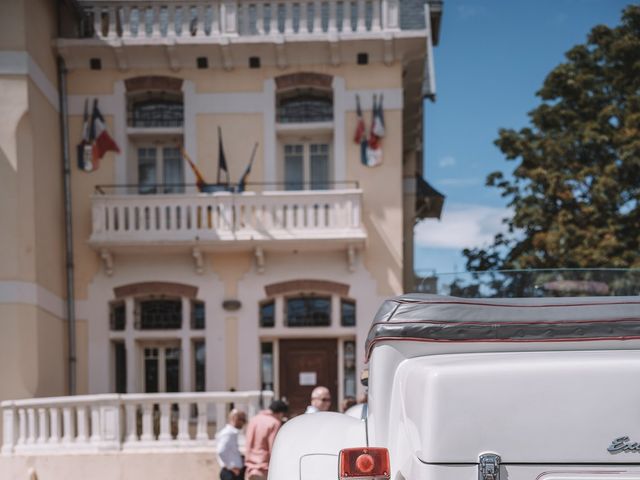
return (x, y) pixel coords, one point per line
(148, 20)
(128, 422)
(124, 26)
(226, 220)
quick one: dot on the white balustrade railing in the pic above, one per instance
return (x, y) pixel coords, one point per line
(211, 18)
(227, 216)
(91, 423)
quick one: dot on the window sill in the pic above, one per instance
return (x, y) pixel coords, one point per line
(154, 131)
(307, 127)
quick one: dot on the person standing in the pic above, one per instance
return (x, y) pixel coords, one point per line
(320, 400)
(229, 457)
(261, 433)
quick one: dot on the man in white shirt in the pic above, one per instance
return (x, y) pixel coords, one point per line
(320, 400)
(229, 457)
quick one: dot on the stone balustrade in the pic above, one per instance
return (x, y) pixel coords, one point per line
(203, 219)
(211, 18)
(112, 422)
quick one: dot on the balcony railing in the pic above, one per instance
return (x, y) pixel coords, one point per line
(224, 216)
(111, 422)
(127, 19)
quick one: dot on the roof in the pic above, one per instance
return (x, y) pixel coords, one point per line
(429, 201)
(412, 16)
(437, 318)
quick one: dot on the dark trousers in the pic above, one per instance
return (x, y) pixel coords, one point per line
(228, 475)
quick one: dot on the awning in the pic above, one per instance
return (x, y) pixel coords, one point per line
(429, 201)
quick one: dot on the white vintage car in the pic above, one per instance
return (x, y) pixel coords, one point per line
(536, 389)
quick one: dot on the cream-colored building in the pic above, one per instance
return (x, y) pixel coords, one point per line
(180, 290)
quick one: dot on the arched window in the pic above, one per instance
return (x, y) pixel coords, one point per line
(301, 105)
(158, 314)
(154, 109)
(308, 311)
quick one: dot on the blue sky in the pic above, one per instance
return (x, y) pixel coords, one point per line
(492, 58)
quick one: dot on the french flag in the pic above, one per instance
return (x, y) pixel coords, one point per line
(101, 141)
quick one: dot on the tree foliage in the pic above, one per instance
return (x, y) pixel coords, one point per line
(575, 191)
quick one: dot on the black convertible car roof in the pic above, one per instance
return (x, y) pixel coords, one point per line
(439, 318)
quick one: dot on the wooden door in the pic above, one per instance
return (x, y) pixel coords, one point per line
(305, 364)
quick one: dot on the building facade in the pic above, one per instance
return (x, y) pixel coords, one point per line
(179, 286)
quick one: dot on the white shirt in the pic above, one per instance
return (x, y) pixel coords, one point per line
(227, 447)
(311, 409)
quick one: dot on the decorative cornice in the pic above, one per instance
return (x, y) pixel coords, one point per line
(21, 63)
(29, 293)
(156, 288)
(283, 288)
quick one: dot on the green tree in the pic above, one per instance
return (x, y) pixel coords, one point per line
(575, 192)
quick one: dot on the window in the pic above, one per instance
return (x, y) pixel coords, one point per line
(150, 323)
(199, 354)
(120, 367)
(309, 312)
(305, 105)
(151, 370)
(155, 118)
(350, 368)
(161, 367)
(172, 372)
(160, 165)
(155, 109)
(347, 313)
(306, 165)
(267, 314)
(159, 314)
(266, 367)
(117, 316)
(197, 315)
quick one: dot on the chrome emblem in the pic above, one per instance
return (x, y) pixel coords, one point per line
(623, 444)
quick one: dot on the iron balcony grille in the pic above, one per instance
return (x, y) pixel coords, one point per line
(156, 114)
(305, 110)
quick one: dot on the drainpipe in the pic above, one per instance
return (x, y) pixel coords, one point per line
(68, 226)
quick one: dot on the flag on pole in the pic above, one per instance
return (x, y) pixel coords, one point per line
(222, 161)
(377, 127)
(200, 181)
(374, 146)
(85, 143)
(99, 140)
(360, 134)
(243, 180)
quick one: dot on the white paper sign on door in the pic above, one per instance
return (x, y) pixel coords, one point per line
(308, 378)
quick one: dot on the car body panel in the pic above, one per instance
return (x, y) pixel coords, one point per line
(307, 446)
(547, 384)
(530, 407)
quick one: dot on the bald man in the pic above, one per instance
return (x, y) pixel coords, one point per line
(320, 400)
(229, 457)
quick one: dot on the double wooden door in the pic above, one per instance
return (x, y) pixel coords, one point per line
(304, 365)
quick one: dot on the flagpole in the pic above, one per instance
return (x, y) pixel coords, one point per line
(200, 181)
(243, 179)
(220, 150)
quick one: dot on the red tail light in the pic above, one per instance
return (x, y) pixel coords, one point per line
(364, 463)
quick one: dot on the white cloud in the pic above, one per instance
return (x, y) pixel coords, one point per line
(462, 226)
(447, 161)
